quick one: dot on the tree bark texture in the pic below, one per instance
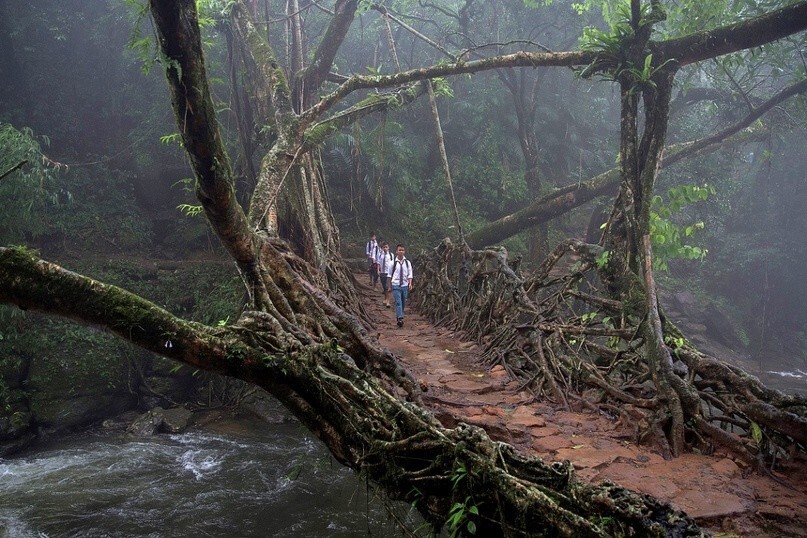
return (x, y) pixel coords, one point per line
(558, 328)
(306, 347)
(364, 423)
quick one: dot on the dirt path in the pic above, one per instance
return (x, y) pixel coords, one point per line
(718, 491)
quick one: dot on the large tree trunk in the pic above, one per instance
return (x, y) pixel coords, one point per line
(527, 321)
(318, 360)
(314, 356)
(629, 271)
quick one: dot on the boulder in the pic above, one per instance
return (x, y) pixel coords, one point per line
(159, 420)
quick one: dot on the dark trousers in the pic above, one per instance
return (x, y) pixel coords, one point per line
(384, 282)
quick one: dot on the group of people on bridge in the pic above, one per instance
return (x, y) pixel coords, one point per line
(394, 271)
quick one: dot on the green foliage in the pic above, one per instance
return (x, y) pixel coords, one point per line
(588, 316)
(682, 17)
(612, 48)
(173, 138)
(102, 214)
(669, 238)
(442, 88)
(30, 191)
(143, 44)
(190, 210)
(461, 516)
(376, 71)
(60, 350)
(212, 10)
(458, 475)
(538, 3)
(206, 292)
(613, 41)
(603, 259)
(756, 433)
(37, 354)
(675, 342)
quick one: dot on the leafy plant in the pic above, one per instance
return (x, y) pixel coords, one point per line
(173, 138)
(612, 46)
(190, 210)
(461, 515)
(459, 474)
(27, 186)
(603, 258)
(588, 316)
(668, 238)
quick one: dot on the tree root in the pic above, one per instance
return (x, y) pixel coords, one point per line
(560, 329)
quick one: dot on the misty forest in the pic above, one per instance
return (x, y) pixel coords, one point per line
(606, 198)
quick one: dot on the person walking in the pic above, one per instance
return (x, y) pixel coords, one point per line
(401, 275)
(385, 260)
(371, 250)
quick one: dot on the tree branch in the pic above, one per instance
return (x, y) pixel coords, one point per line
(518, 59)
(372, 104)
(317, 72)
(686, 50)
(181, 48)
(736, 37)
(13, 168)
(34, 284)
(563, 200)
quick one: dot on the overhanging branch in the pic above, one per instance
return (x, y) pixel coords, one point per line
(566, 198)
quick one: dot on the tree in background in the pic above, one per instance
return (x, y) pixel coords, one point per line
(305, 346)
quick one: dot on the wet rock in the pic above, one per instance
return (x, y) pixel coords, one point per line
(720, 328)
(12, 446)
(680, 369)
(57, 412)
(147, 423)
(175, 420)
(159, 420)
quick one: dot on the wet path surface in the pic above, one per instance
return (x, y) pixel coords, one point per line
(716, 489)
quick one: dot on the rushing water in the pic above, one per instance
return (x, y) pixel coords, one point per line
(270, 481)
(791, 382)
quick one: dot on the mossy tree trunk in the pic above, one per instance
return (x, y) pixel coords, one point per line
(294, 340)
(546, 327)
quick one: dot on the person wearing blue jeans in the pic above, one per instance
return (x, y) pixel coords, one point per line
(401, 277)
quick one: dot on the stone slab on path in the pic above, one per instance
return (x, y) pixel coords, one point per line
(459, 388)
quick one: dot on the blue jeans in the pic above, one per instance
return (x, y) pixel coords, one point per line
(400, 294)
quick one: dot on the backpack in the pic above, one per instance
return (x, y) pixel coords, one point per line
(408, 264)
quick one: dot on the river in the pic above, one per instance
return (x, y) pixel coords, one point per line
(234, 478)
(266, 480)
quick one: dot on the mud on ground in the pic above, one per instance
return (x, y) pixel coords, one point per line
(719, 491)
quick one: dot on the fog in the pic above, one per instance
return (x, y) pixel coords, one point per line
(85, 78)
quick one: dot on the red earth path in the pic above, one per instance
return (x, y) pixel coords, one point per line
(719, 491)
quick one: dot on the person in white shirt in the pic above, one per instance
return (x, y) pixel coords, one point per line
(401, 276)
(371, 250)
(385, 259)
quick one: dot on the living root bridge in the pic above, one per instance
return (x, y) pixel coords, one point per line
(570, 342)
(363, 419)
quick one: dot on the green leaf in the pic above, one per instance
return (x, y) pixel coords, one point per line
(756, 433)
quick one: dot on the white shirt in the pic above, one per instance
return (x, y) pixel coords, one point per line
(384, 261)
(371, 249)
(398, 267)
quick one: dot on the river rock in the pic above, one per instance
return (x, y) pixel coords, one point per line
(175, 420)
(159, 420)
